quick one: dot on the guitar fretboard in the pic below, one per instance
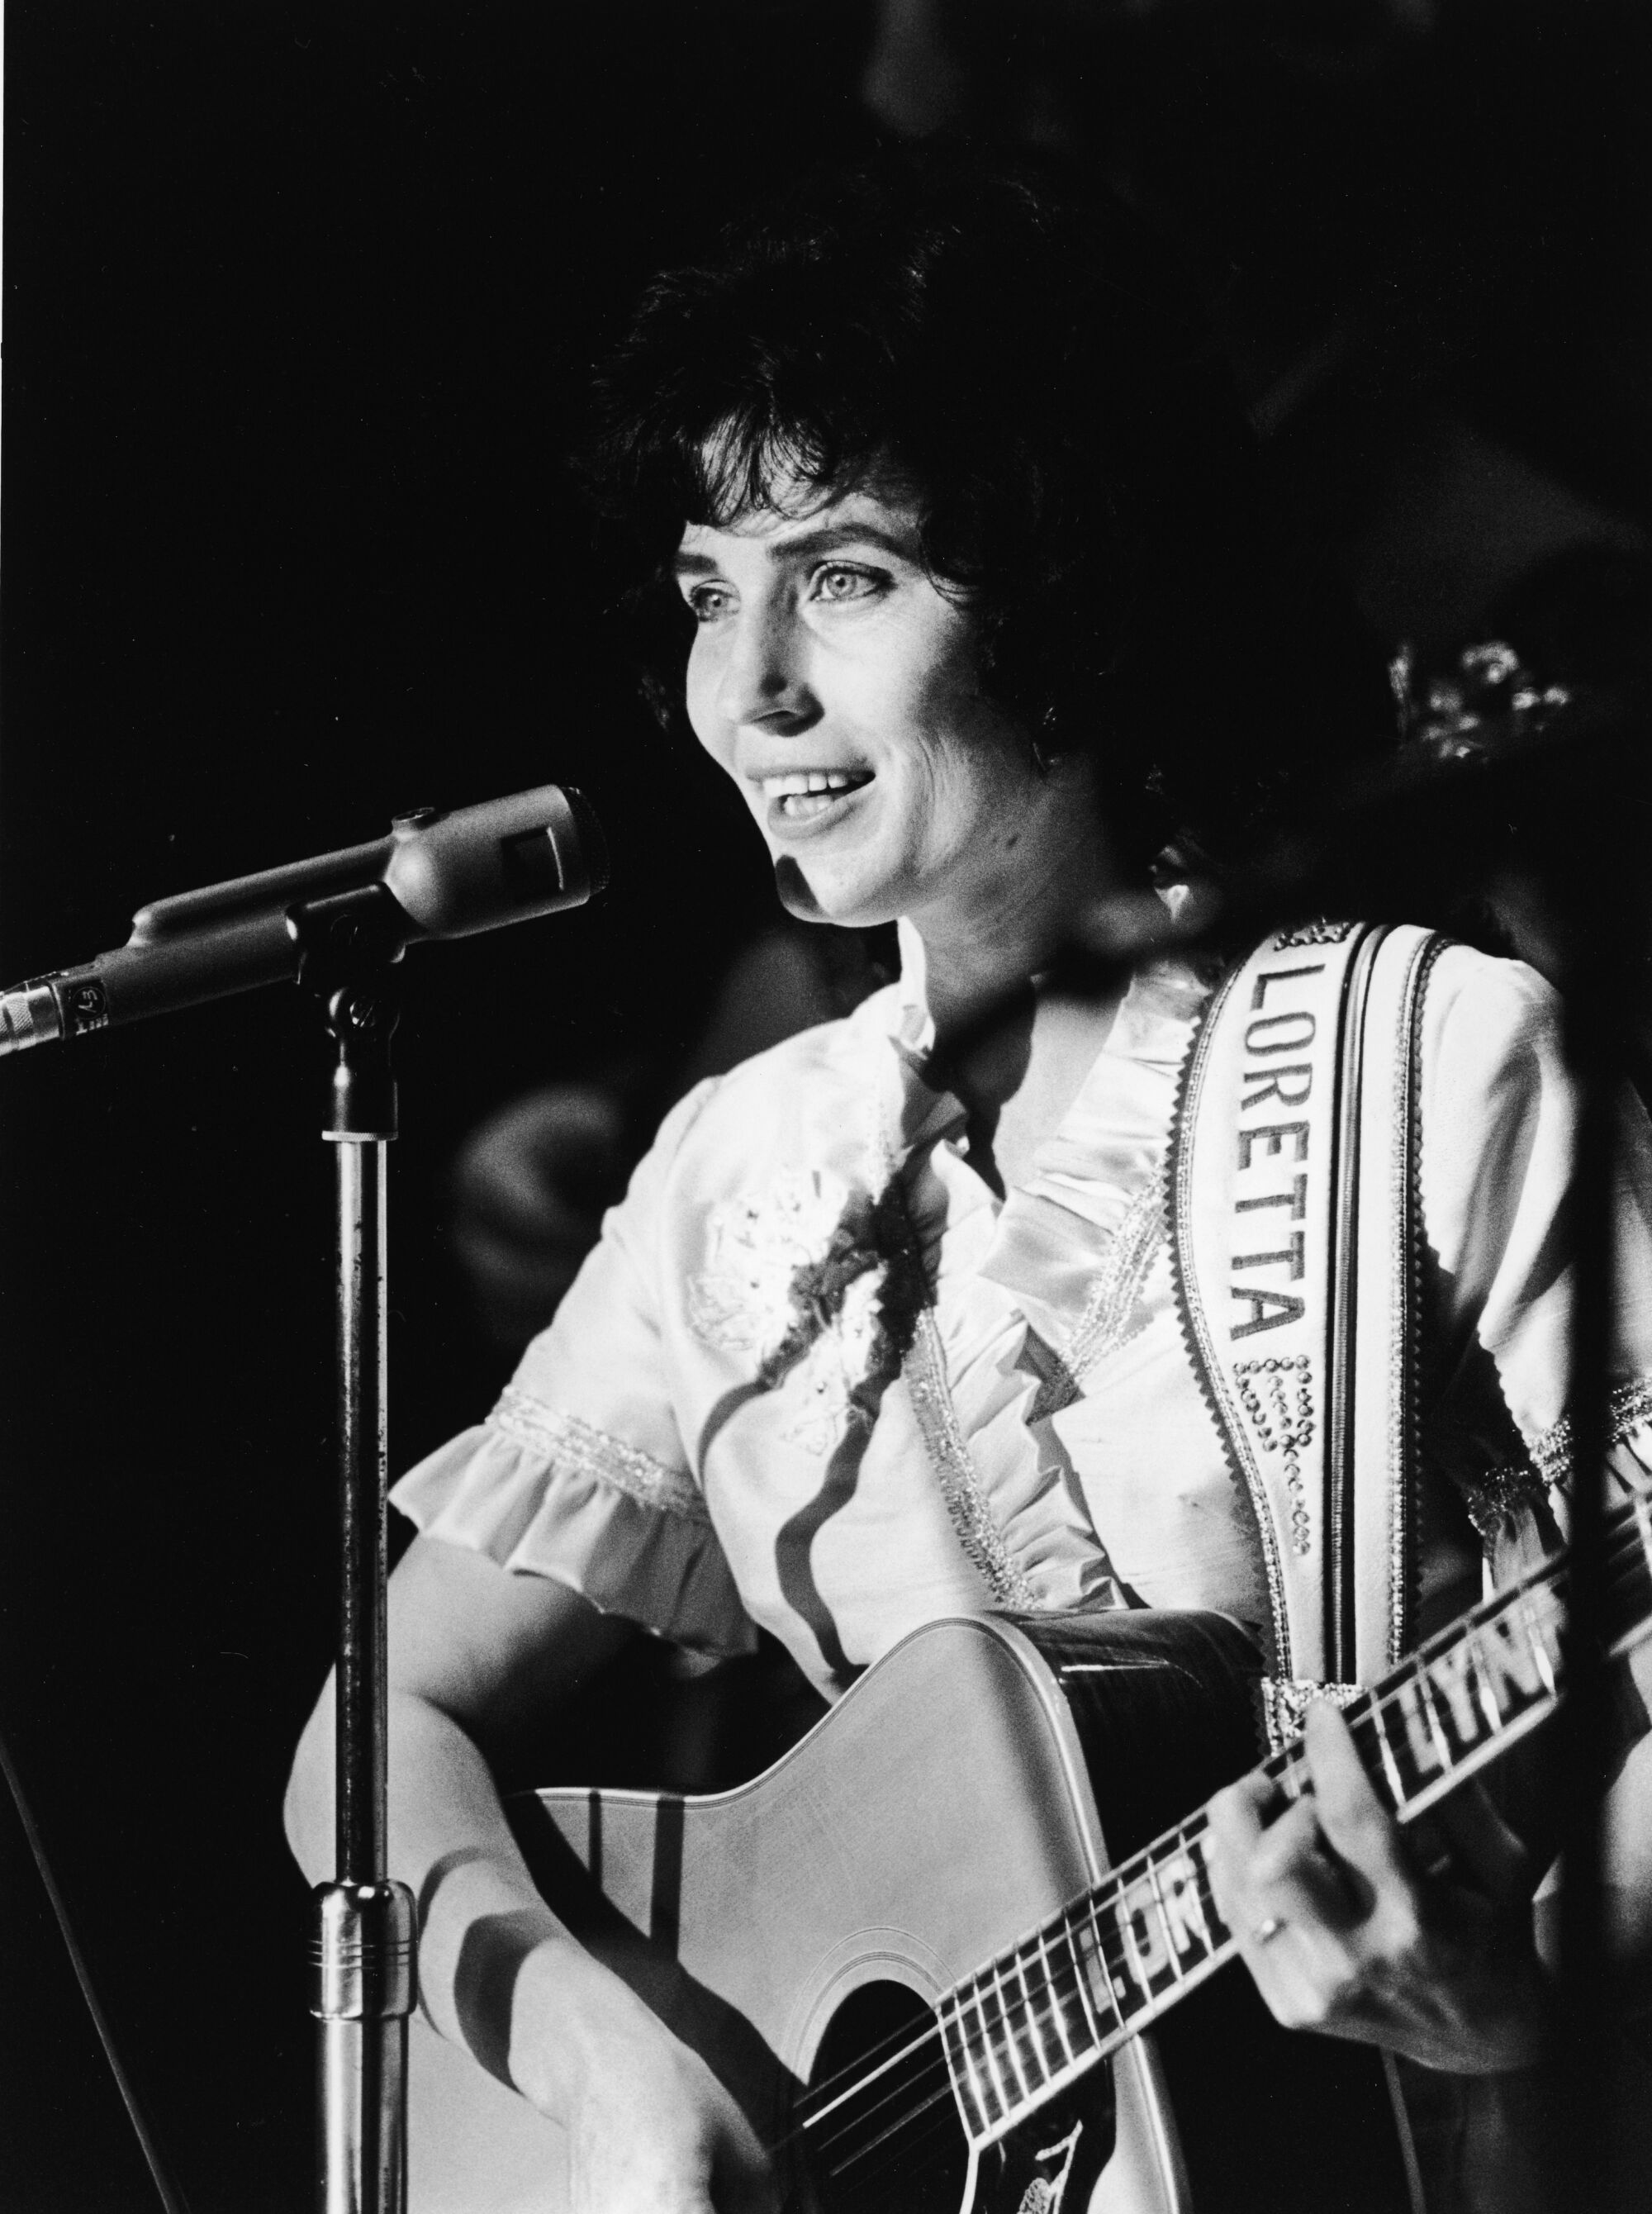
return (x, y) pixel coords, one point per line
(1059, 2001)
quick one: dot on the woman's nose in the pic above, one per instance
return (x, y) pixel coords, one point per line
(765, 675)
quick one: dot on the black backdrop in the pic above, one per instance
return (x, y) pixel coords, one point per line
(299, 301)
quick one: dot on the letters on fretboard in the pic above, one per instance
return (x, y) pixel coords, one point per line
(1022, 2027)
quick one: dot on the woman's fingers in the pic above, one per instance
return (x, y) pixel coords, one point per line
(1344, 1932)
(1359, 1829)
(1485, 1848)
(1356, 1825)
(1317, 1891)
(1354, 1817)
(1269, 1862)
(1285, 1902)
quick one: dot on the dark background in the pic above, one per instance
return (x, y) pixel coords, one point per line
(299, 305)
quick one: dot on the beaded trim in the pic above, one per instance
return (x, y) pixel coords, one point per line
(1315, 933)
(1501, 1492)
(581, 1448)
(1057, 1386)
(1202, 1357)
(1101, 1329)
(955, 1471)
(1629, 1405)
(1115, 1290)
(1405, 1352)
(1285, 1701)
(925, 1370)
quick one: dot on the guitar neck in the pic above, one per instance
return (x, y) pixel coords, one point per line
(1023, 2025)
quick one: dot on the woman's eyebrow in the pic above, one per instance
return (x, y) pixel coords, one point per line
(809, 546)
(833, 537)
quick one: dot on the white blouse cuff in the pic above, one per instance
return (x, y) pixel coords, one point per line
(547, 1494)
(1502, 1498)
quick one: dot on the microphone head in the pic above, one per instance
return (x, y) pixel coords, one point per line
(588, 831)
(507, 860)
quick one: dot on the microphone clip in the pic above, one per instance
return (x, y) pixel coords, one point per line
(348, 946)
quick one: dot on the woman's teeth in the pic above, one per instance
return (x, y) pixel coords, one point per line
(804, 791)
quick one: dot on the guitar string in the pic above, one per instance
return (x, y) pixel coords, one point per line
(1625, 1543)
(900, 2122)
(1122, 1877)
(1536, 1584)
(896, 2156)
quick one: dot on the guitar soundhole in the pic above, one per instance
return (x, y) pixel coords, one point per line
(881, 2124)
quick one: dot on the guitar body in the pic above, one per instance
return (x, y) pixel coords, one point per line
(799, 1930)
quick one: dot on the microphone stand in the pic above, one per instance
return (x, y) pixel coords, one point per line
(363, 1960)
(342, 922)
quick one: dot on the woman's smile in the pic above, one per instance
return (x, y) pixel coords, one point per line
(802, 801)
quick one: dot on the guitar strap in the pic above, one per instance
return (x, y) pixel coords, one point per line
(1294, 1237)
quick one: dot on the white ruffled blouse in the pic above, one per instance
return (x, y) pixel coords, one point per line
(817, 1376)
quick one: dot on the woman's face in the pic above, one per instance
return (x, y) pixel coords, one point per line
(839, 689)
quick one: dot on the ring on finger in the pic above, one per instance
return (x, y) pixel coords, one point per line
(1267, 1929)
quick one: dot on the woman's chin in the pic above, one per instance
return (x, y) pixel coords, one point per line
(822, 898)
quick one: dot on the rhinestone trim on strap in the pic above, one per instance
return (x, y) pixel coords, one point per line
(1314, 933)
(1285, 1701)
(1277, 1398)
(581, 1447)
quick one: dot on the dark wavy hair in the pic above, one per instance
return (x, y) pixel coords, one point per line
(1024, 359)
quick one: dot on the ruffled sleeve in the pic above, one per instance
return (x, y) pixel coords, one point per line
(1499, 1129)
(580, 1472)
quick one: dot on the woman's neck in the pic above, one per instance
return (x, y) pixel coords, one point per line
(982, 954)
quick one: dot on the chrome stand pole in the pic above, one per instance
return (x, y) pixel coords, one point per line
(1601, 983)
(363, 1961)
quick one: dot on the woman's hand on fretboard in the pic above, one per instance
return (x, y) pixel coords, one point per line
(1345, 1931)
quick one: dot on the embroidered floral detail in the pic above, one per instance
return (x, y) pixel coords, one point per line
(579, 1446)
(843, 1357)
(816, 1283)
(742, 1301)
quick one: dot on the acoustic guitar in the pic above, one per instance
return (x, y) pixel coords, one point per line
(906, 1952)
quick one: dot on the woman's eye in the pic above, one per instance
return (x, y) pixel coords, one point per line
(838, 583)
(707, 603)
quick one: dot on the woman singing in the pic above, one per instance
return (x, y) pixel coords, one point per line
(949, 529)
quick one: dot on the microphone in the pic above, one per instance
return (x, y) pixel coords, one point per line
(440, 874)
